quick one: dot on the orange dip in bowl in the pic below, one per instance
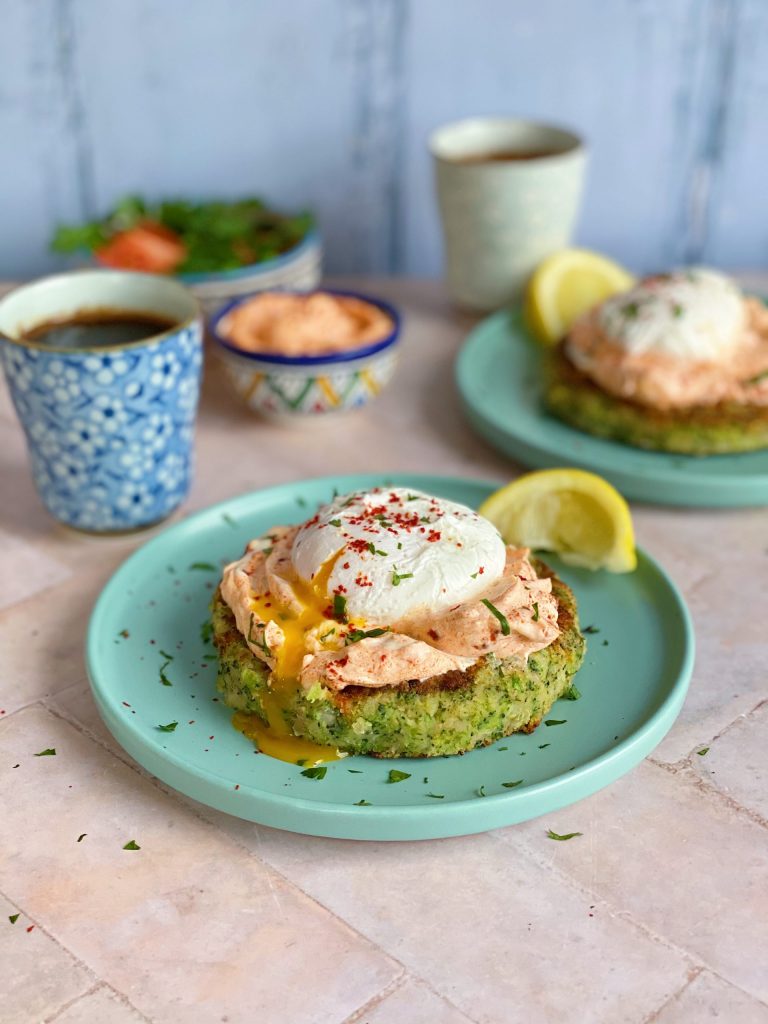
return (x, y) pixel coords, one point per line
(316, 324)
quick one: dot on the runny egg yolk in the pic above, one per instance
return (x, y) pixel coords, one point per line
(275, 737)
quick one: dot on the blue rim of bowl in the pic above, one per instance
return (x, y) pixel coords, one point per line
(332, 357)
(309, 241)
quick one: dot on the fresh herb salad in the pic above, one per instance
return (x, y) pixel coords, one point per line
(181, 237)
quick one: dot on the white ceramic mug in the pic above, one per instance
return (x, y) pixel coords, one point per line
(509, 194)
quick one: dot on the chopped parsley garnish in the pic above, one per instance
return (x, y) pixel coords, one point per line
(13, 918)
(48, 752)
(535, 611)
(206, 632)
(568, 835)
(228, 519)
(397, 576)
(481, 791)
(132, 845)
(542, 745)
(511, 785)
(631, 310)
(81, 837)
(502, 748)
(171, 727)
(166, 655)
(124, 634)
(374, 550)
(354, 771)
(205, 566)
(209, 657)
(412, 497)
(757, 378)
(555, 721)
(677, 310)
(302, 760)
(605, 643)
(339, 606)
(591, 629)
(436, 796)
(335, 522)
(301, 502)
(261, 644)
(362, 803)
(163, 677)
(572, 693)
(703, 751)
(325, 636)
(473, 575)
(316, 772)
(362, 634)
(503, 622)
(396, 776)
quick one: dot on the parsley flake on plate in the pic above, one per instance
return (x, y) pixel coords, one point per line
(163, 677)
(591, 629)
(555, 721)
(436, 796)
(362, 803)
(132, 845)
(171, 727)
(397, 776)
(703, 751)
(572, 693)
(13, 918)
(204, 566)
(511, 785)
(318, 771)
(563, 838)
(48, 752)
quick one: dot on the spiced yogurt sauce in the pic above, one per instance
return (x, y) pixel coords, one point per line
(317, 324)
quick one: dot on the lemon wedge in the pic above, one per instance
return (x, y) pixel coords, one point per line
(576, 514)
(567, 284)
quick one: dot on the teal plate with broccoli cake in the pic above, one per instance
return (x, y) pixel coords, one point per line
(502, 378)
(153, 670)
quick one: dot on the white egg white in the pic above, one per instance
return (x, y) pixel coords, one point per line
(399, 553)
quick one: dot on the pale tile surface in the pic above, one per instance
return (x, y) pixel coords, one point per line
(484, 925)
(189, 927)
(698, 874)
(737, 762)
(667, 881)
(707, 1000)
(37, 976)
(99, 1007)
(413, 1003)
(25, 571)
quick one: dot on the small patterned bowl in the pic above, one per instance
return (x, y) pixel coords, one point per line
(299, 268)
(289, 387)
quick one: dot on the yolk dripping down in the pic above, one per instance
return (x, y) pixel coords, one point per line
(275, 738)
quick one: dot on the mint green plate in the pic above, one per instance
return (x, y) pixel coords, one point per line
(499, 373)
(633, 683)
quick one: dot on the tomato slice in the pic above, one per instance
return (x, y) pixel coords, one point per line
(148, 246)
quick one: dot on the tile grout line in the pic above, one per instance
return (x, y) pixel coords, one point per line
(394, 986)
(693, 974)
(120, 996)
(687, 772)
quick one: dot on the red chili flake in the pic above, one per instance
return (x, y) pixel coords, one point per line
(433, 536)
(394, 499)
(345, 565)
(359, 545)
(481, 570)
(191, 721)
(343, 661)
(237, 786)
(2, 712)
(434, 634)
(30, 928)
(153, 641)
(126, 704)
(210, 737)
(363, 581)
(383, 657)
(341, 589)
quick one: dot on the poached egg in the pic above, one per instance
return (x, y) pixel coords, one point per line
(392, 554)
(695, 314)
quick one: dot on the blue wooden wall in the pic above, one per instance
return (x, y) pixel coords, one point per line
(328, 103)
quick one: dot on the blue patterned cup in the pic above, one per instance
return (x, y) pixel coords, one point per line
(109, 428)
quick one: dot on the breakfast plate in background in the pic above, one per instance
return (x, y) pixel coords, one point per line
(152, 670)
(500, 373)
